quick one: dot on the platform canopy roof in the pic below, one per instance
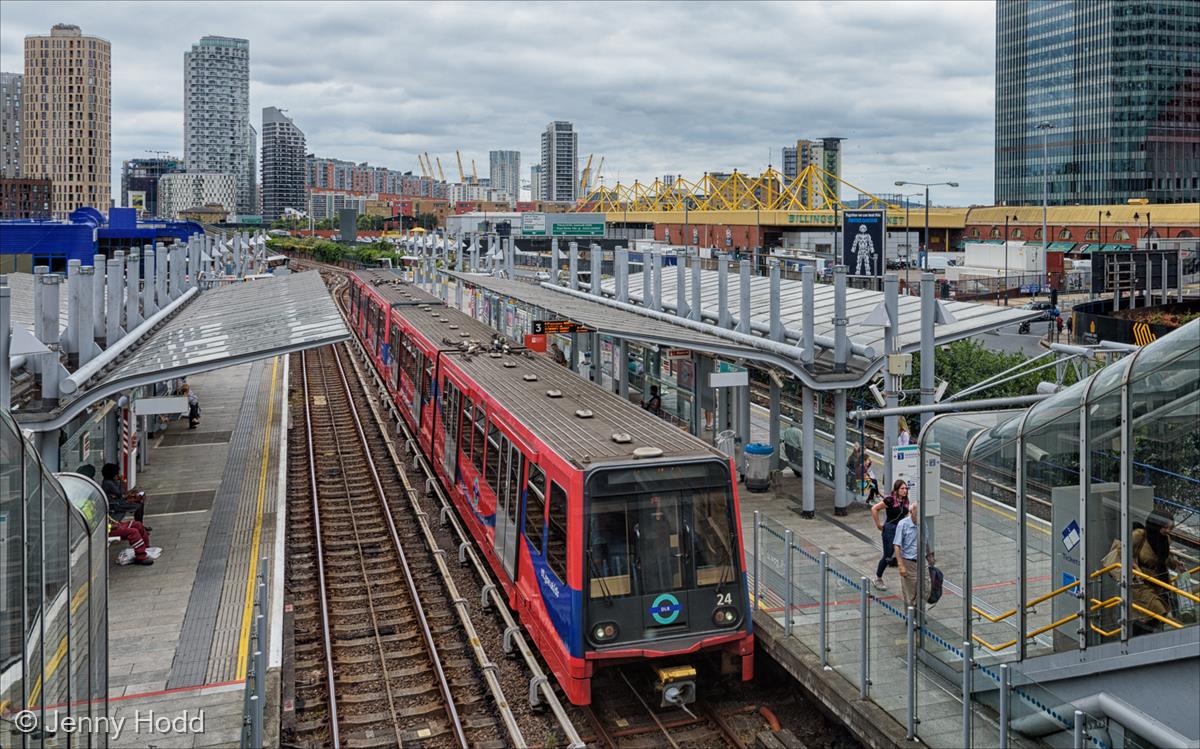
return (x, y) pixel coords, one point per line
(966, 319)
(221, 327)
(608, 320)
(22, 285)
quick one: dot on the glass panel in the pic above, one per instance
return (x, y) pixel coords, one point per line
(33, 578)
(1052, 523)
(11, 630)
(772, 568)
(844, 621)
(1104, 505)
(996, 563)
(556, 532)
(57, 598)
(1165, 405)
(79, 615)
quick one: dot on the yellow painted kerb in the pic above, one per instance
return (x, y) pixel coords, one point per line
(256, 536)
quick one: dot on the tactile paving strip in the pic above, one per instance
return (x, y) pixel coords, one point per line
(190, 666)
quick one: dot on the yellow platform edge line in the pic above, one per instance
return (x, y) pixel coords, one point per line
(256, 536)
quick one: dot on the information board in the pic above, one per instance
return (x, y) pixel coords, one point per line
(862, 242)
(559, 327)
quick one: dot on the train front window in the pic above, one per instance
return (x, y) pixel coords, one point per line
(650, 532)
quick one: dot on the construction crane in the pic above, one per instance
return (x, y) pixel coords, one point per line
(441, 174)
(474, 174)
(421, 162)
(429, 165)
(583, 180)
(600, 171)
(462, 177)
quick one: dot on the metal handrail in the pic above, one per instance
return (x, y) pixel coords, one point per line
(1046, 596)
(1166, 586)
(253, 710)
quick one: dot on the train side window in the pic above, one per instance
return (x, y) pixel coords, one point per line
(556, 532)
(535, 507)
(477, 439)
(447, 401)
(516, 468)
(397, 351)
(427, 381)
(492, 459)
(499, 475)
(468, 426)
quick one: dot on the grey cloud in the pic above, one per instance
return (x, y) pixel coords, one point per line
(678, 88)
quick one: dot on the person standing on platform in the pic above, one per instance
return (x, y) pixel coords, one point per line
(895, 508)
(906, 547)
(193, 407)
(1070, 328)
(904, 438)
(558, 355)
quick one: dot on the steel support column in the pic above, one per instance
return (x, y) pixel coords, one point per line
(840, 497)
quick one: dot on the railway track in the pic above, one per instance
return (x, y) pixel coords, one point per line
(622, 718)
(375, 667)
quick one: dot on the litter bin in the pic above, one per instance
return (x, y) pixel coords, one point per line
(758, 466)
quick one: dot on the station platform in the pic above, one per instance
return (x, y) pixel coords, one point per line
(854, 547)
(180, 629)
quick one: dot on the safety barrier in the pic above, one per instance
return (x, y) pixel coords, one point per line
(831, 608)
(253, 708)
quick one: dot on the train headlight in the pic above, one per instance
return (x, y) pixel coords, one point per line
(605, 631)
(726, 616)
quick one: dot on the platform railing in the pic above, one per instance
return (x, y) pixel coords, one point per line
(253, 707)
(878, 644)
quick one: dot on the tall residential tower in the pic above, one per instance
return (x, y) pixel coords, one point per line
(66, 123)
(504, 173)
(1115, 83)
(10, 124)
(560, 162)
(283, 164)
(217, 136)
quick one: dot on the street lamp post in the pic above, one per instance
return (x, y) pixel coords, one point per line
(1005, 259)
(1045, 127)
(926, 185)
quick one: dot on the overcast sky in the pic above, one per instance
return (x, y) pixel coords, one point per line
(656, 89)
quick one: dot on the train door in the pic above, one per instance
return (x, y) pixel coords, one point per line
(508, 503)
(451, 407)
(418, 368)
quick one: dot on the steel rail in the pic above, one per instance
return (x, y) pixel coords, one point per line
(411, 583)
(539, 683)
(327, 639)
(341, 453)
(457, 601)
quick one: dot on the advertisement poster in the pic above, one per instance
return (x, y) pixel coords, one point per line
(137, 201)
(862, 242)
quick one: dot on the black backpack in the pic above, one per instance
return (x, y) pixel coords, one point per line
(936, 578)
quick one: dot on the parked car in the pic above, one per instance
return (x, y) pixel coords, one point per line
(1049, 311)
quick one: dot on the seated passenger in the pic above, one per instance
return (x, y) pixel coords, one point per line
(120, 501)
(138, 537)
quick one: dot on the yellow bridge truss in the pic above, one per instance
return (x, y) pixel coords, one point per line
(813, 189)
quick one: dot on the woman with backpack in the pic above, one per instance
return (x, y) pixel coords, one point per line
(895, 507)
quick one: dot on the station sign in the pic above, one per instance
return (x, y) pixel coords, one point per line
(559, 327)
(679, 353)
(577, 230)
(907, 465)
(533, 224)
(862, 242)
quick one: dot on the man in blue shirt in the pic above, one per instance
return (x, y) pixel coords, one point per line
(906, 543)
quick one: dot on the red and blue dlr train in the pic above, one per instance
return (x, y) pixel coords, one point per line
(615, 535)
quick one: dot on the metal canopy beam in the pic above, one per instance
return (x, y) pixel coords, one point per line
(221, 327)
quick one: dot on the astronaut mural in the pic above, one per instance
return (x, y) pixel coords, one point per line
(863, 242)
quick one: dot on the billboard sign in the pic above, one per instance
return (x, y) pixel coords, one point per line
(863, 242)
(137, 200)
(562, 229)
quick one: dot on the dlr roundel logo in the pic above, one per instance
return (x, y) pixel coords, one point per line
(665, 608)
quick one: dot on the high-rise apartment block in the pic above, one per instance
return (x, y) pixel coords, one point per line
(825, 154)
(1116, 84)
(504, 174)
(66, 120)
(283, 164)
(10, 124)
(217, 135)
(139, 182)
(182, 191)
(535, 182)
(560, 162)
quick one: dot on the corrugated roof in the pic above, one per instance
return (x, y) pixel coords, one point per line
(606, 319)
(581, 440)
(221, 327)
(969, 319)
(390, 284)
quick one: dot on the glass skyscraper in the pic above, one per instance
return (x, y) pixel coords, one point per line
(1119, 80)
